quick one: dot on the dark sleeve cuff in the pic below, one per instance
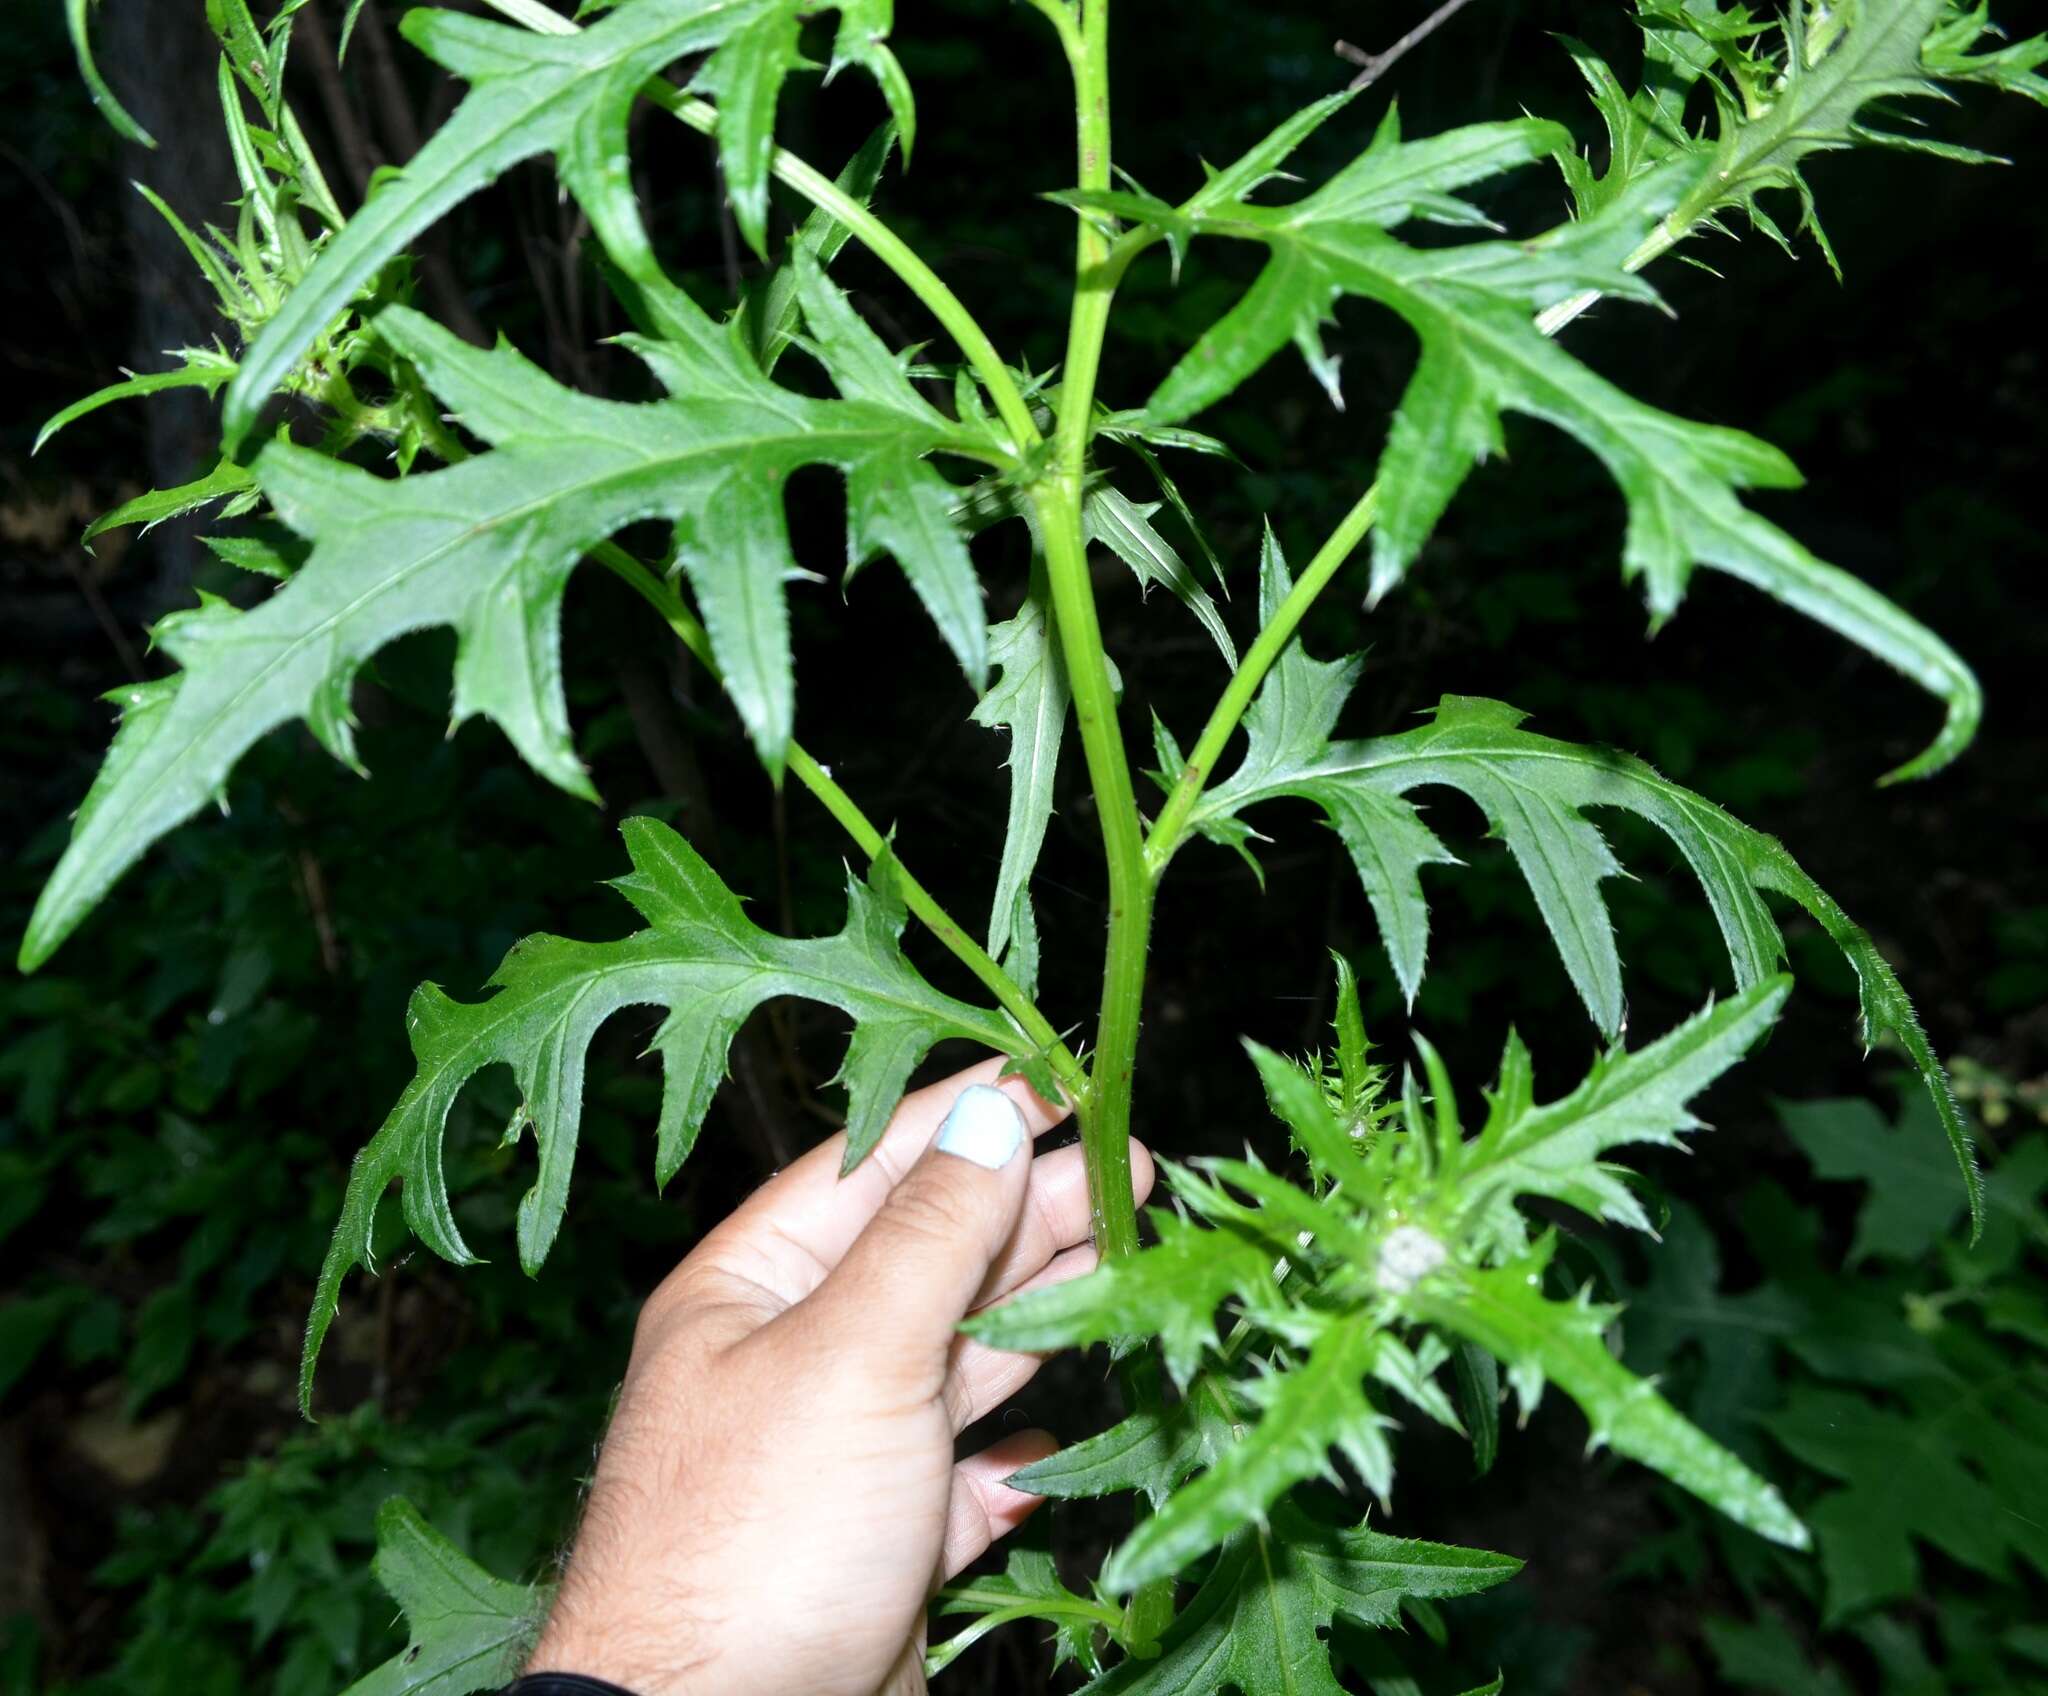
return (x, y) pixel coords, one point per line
(561, 1684)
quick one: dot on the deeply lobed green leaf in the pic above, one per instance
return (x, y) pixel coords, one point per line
(1030, 700)
(1470, 305)
(1558, 1150)
(710, 966)
(1318, 1406)
(1534, 792)
(1415, 1229)
(1170, 1291)
(1505, 1312)
(488, 545)
(1258, 1623)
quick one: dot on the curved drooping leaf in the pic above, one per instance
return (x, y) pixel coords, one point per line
(1481, 355)
(710, 966)
(1125, 527)
(487, 546)
(467, 1630)
(1534, 792)
(570, 95)
(198, 368)
(1260, 1620)
(78, 20)
(1505, 1312)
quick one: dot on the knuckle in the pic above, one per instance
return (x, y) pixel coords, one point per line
(929, 1211)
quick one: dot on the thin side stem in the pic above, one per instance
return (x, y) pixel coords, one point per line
(871, 841)
(884, 243)
(1171, 824)
(1271, 642)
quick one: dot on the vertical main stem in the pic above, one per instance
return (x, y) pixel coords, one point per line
(1106, 1115)
(1106, 1123)
(1106, 1118)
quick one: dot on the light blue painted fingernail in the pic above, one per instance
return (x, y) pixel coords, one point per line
(984, 1127)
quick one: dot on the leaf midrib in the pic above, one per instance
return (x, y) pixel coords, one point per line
(406, 574)
(587, 981)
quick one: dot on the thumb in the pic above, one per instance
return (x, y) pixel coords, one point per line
(914, 1271)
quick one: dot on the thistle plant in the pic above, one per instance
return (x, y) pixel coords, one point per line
(1378, 1259)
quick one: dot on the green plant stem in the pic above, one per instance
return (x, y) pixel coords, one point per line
(1270, 643)
(884, 243)
(1106, 1114)
(1106, 1120)
(1106, 1123)
(1659, 242)
(819, 781)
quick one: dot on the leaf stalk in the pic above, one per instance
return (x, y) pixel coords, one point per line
(884, 243)
(1237, 696)
(804, 766)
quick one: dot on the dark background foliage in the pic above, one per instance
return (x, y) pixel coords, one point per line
(184, 1084)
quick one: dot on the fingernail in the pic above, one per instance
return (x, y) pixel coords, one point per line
(984, 1127)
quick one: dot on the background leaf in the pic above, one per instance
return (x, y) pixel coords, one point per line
(469, 1631)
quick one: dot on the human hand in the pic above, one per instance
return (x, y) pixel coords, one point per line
(777, 1496)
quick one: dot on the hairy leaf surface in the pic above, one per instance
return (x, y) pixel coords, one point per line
(467, 1630)
(710, 966)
